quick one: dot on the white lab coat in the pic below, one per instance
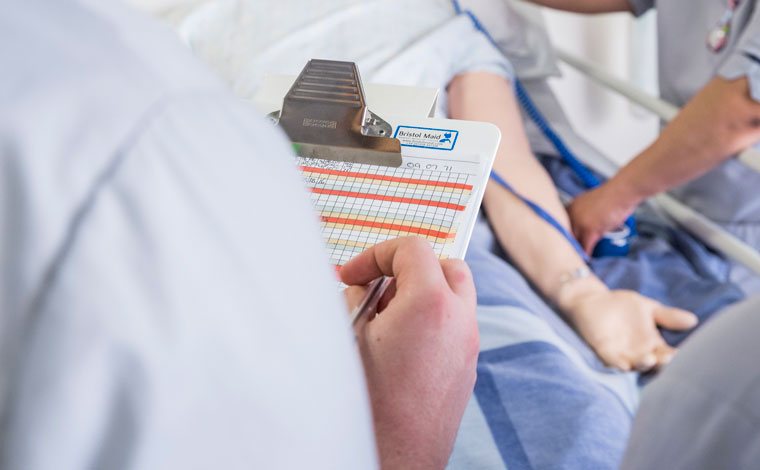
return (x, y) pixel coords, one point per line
(166, 300)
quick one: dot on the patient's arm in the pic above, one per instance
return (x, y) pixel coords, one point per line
(586, 6)
(619, 325)
(487, 97)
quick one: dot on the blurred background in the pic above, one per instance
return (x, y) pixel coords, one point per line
(624, 46)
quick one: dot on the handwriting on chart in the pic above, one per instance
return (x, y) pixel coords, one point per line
(326, 164)
(410, 163)
(429, 166)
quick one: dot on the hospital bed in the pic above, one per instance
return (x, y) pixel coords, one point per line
(698, 225)
(529, 352)
(684, 216)
(494, 431)
(528, 20)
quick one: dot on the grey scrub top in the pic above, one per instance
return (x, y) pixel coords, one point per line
(728, 194)
(703, 411)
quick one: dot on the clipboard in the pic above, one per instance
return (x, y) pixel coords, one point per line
(424, 176)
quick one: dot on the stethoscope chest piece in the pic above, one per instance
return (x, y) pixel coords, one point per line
(614, 243)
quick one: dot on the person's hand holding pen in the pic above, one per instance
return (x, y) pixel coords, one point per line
(419, 353)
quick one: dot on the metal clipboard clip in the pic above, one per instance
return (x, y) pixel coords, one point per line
(325, 115)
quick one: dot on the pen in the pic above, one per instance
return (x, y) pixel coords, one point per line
(375, 291)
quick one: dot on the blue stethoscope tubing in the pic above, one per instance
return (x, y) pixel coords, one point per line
(580, 170)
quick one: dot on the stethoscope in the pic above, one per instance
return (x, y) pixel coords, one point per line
(717, 38)
(613, 243)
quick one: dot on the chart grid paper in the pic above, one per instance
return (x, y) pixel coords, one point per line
(361, 205)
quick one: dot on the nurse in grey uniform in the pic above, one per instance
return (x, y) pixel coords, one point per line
(709, 64)
(703, 411)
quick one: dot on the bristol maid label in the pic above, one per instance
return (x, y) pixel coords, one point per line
(427, 138)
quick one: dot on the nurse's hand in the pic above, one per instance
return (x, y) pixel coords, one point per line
(621, 325)
(419, 353)
(598, 211)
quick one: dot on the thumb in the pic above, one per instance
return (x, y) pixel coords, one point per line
(459, 278)
(353, 296)
(588, 241)
(675, 318)
(586, 237)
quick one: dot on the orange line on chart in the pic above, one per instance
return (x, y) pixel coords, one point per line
(445, 205)
(400, 228)
(351, 243)
(386, 220)
(382, 231)
(389, 184)
(395, 179)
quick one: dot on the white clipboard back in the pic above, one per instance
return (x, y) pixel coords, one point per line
(435, 193)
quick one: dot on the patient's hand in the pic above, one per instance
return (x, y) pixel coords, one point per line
(598, 211)
(419, 353)
(621, 325)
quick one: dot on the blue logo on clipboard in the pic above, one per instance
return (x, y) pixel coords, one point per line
(427, 138)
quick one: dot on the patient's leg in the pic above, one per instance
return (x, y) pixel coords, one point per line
(619, 325)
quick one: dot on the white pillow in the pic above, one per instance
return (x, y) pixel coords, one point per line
(244, 39)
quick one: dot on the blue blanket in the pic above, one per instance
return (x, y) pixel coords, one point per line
(542, 398)
(664, 263)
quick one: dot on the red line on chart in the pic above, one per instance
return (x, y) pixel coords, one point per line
(423, 202)
(400, 228)
(394, 179)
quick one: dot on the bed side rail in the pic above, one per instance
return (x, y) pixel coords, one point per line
(661, 108)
